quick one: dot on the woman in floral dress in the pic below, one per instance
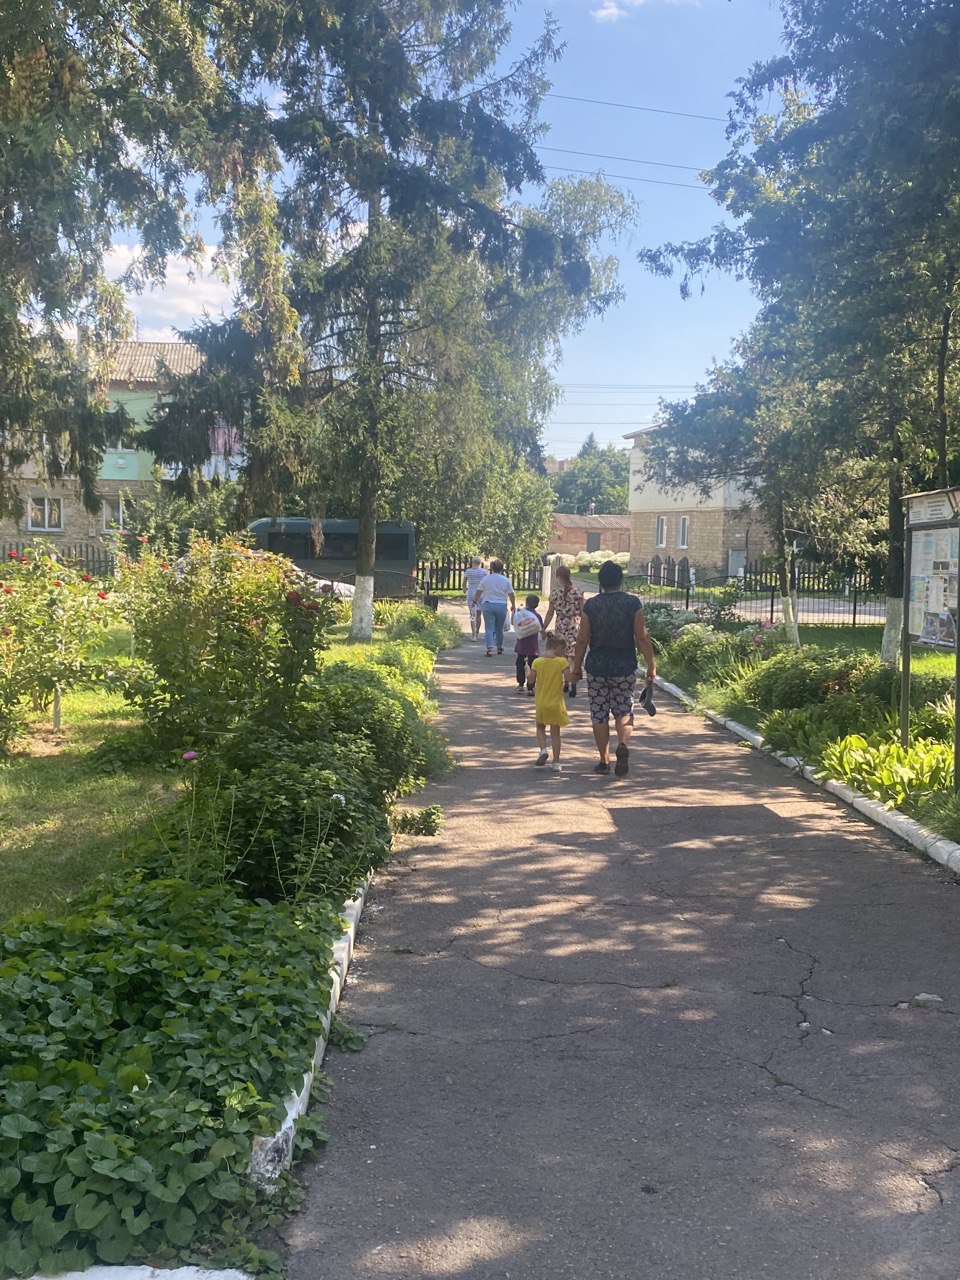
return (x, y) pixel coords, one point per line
(566, 605)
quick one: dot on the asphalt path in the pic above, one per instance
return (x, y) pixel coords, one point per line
(659, 1026)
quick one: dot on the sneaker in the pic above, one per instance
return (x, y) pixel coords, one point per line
(542, 758)
(489, 653)
(566, 687)
(556, 766)
(499, 651)
(520, 688)
(530, 691)
(573, 691)
(622, 767)
(603, 766)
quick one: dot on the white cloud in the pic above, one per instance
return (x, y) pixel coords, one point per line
(609, 11)
(188, 293)
(614, 10)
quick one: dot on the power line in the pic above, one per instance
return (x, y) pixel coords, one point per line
(629, 106)
(596, 155)
(628, 386)
(628, 177)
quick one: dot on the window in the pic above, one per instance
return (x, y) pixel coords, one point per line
(661, 531)
(684, 529)
(45, 514)
(593, 542)
(112, 510)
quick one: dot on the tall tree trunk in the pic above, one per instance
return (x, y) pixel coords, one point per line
(943, 354)
(893, 573)
(788, 599)
(361, 619)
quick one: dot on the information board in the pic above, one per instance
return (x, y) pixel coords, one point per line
(932, 602)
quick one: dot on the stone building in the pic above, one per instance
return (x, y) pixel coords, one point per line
(141, 373)
(674, 532)
(569, 535)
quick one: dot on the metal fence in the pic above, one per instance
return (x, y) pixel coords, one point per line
(93, 557)
(445, 573)
(824, 596)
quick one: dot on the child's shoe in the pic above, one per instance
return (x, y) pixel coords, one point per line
(520, 688)
(542, 758)
(530, 691)
(556, 766)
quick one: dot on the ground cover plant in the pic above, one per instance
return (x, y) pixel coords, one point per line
(151, 1029)
(834, 705)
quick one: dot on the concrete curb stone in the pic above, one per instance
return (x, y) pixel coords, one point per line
(935, 846)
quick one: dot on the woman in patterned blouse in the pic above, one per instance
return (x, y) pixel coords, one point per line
(566, 605)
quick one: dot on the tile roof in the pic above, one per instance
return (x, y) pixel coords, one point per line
(591, 522)
(141, 362)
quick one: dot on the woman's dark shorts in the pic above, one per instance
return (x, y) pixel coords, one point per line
(610, 696)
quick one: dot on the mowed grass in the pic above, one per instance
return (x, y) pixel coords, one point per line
(62, 821)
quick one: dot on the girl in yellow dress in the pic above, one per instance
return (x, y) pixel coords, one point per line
(547, 676)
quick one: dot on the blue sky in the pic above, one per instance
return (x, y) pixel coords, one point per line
(676, 55)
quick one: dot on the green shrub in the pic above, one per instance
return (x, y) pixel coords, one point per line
(432, 630)
(412, 660)
(280, 818)
(418, 822)
(387, 611)
(935, 720)
(362, 700)
(806, 731)
(940, 811)
(145, 1038)
(801, 677)
(223, 635)
(879, 766)
(884, 683)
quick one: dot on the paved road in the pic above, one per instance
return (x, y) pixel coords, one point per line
(641, 1028)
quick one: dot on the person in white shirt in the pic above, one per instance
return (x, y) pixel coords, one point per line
(471, 580)
(492, 594)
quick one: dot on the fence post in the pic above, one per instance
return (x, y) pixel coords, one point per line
(773, 601)
(856, 584)
(686, 599)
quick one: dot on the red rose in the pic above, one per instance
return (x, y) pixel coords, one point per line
(12, 555)
(57, 582)
(102, 595)
(8, 591)
(164, 566)
(86, 577)
(312, 604)
(143, 537)
(7, 631)
(294, 597)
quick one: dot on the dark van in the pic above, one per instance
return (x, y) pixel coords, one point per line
(395, 571)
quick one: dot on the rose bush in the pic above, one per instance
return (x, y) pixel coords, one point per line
(221, 636)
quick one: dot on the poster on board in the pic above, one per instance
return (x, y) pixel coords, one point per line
(932, 601)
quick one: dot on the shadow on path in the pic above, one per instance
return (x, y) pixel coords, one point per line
(646, 1027)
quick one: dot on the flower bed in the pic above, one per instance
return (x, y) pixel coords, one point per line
(834, 709)
(152, 1032)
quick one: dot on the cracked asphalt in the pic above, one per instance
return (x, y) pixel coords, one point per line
(659, 1026)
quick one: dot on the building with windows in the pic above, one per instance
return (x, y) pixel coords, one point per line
(140, 375)
(569, 535)
(674, 532)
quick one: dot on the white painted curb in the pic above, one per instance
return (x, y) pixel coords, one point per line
(935, 846)
(270, 1155)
